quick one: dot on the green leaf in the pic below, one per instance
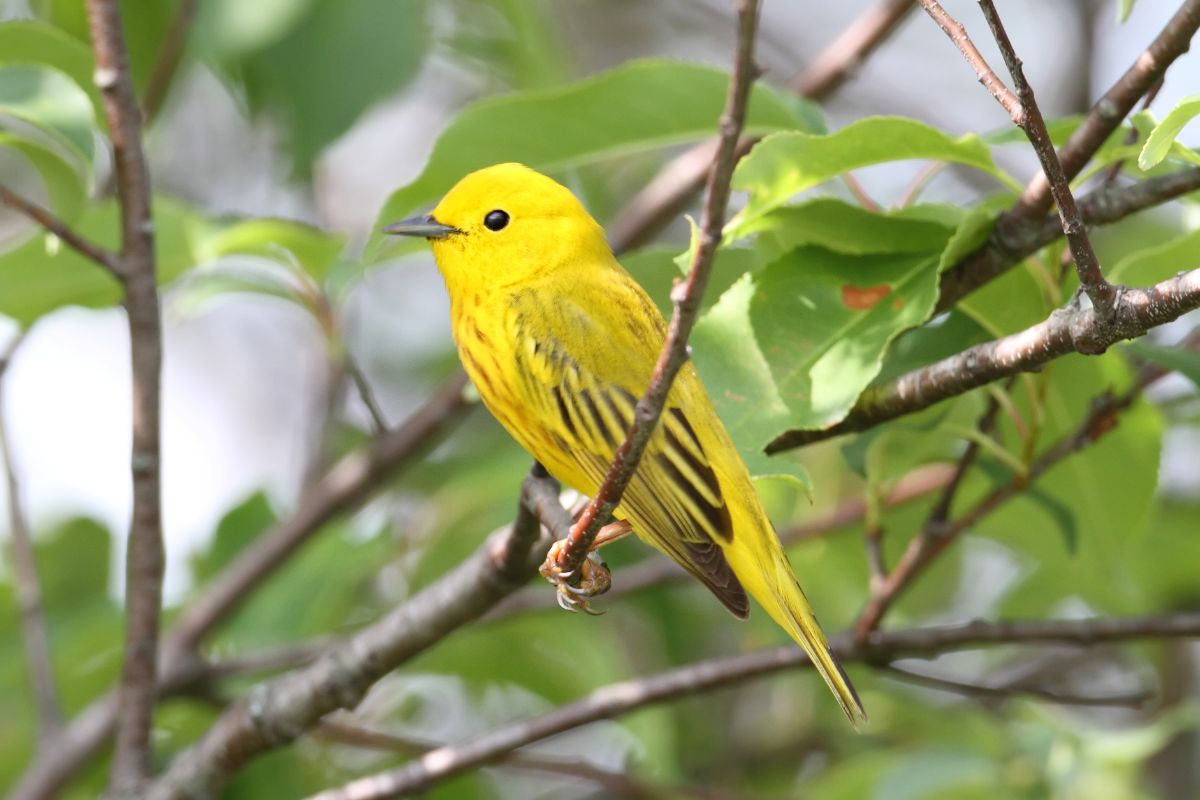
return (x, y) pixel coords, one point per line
(784, 164)
(1157, 262)
(234, 29)
(794, 344)
(638, 106)
(42, 274)
(844, 228)
(1161, 139)
(64, 184)
(973, 230)
(1124, 8)
(54, 103)
(1059, 512)
(332, 66)
(288, 242)
(1178, 359)
(656, 270)
(35, 43)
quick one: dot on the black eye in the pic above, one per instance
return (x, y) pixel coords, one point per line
(496, 220)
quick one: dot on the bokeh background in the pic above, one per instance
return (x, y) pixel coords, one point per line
(316, 110)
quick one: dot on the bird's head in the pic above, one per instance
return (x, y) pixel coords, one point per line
(507, 224)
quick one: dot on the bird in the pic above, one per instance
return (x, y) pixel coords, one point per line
(560, 341)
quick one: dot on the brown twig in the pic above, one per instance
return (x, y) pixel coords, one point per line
(662, 199)
(1030, 120)
(1020, 223)
(882, 647)
(166, 63)
(939, 534)
(686, 297)
(34, 630)
(85, 247)
(941, 509)
(617, 784)
(342, 487)
(279, 711)
(986, 75)
(144, 553)
(1069, 330)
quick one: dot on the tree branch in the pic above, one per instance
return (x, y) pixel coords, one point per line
(938, 533)
(277, 712)
(686, 297)
(1030, 120)
(34, 630)
(144, 555)
(1131, 699)
(662, 199)
(1067, 330)
(1016, 225)
(882, 647)
(85, 247)
(343, 487)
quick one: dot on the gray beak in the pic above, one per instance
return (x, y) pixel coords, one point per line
(423, 225)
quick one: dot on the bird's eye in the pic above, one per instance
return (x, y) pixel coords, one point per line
(496, 220)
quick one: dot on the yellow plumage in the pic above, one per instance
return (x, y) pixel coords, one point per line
(560, 342)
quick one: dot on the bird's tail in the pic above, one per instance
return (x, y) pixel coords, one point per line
(774, 586)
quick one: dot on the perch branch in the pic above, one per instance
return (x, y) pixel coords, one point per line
(686, 297)
(277, 712)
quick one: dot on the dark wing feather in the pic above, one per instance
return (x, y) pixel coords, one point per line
(675, 497)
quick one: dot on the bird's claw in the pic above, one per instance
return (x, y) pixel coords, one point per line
(594, 580)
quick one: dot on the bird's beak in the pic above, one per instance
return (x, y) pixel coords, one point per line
(423, 225)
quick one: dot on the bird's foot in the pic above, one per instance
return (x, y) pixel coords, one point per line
(594, 580)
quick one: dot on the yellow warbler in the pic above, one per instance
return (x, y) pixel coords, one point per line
(560, 342)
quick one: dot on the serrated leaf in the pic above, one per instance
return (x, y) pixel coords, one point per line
(1162, 137)
(638, 106)
(794, 344)
(784, 164)
(64, 184)
(1178, 359)
(52, 102)
(35, 43)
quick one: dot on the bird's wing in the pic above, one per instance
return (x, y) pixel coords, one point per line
(581, 379)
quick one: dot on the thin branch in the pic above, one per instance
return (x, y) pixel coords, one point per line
(939, 534)
(686, 297)
(616, 699)
(1087, 266)
(619, 784)
(941, 509)
(1128, 700)
(342, 488)
(132, 758)
(1067, 330)
(661, 200)
(986, 75)
(1020, 223)
(279, 711)
(34, 630)
(379, 423)
(166, 64)
(76, 241)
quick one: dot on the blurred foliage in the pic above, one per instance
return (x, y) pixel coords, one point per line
(813, 299)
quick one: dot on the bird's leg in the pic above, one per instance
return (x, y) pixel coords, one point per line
(594, 576)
